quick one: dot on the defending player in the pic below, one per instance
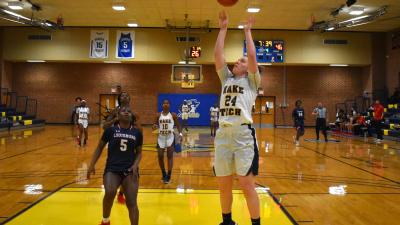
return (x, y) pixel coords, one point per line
(298, 119)
(124, 100)
(165, 122)
(236, 148)
(122, 166)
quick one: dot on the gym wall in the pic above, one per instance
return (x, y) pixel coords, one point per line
(56, 84)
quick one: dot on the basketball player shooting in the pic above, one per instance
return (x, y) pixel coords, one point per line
(236, 148)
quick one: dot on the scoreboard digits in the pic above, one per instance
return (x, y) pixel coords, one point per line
(195, 52)
(268, 51)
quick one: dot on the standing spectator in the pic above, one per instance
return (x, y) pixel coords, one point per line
(378, 120)
(321, 113)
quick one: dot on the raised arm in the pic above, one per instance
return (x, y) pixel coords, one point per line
(219, 45)
(251, 49)
(254, 74)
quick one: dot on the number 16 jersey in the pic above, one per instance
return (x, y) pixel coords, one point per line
(237, 97)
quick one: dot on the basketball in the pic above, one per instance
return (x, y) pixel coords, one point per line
(227, 3)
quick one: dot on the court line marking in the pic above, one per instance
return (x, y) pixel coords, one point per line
(283, 208)
(346, 163)
(35, 203)
(40, 148)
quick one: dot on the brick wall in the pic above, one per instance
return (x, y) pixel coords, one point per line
(55, 85)
(312, 84)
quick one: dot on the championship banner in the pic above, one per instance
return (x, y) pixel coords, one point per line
(125, 45)
(199, 106)
(99, 44)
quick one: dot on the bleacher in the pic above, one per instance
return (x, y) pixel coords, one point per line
(18, 112)
(392, 120)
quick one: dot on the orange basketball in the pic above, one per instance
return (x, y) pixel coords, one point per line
(227, 3)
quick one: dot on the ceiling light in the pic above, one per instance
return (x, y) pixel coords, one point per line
(356, 11)
(253, 9)
(357, 18)
(112, 61)
(11, 20)
(35, 61)
(16, 14)
(15, 5)
(240, 26)
(341, 65)
(133, 24)
(184, 62)
(358, 24)
(118, 7)
(331, 28)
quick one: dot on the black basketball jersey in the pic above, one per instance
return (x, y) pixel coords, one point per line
(122, 144)
(298, 115)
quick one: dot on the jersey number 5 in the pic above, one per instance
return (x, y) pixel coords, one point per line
(123, 145)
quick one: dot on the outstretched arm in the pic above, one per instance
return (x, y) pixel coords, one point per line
(251, 49)
(219, 45)
(254, 74)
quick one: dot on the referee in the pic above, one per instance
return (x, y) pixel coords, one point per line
(321, 113)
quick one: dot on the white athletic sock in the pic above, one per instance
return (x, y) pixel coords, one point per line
(106, 220)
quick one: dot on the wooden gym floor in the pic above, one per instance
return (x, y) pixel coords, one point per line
(353, 181)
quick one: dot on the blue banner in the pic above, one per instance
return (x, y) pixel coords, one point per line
(199, 106)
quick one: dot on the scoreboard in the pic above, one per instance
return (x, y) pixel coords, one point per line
(268, 51)
(195, 51)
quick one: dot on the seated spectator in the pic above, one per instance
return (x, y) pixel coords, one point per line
(340, 119)
(360, 123)
(353, 112)
(350, 122)
(395, 98)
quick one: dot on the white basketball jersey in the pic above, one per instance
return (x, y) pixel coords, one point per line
(166, 124)
(185, 108)
(237, 97)
(83, 113)
(214, 112)
(99, 45)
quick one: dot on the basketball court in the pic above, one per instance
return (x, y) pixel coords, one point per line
(342, 53)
